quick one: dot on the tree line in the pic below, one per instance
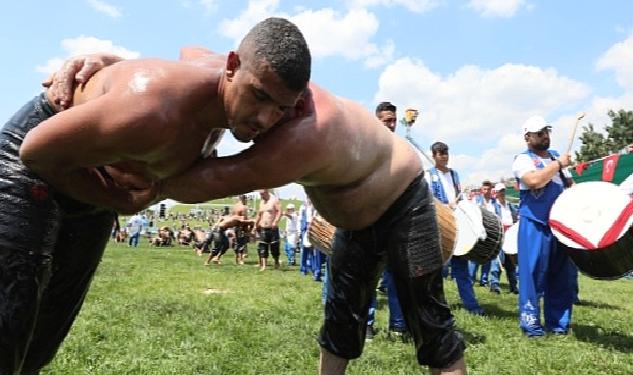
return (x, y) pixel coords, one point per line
(619, 135)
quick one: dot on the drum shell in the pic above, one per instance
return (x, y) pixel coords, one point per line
(609, 263)
(321, 234)
(488, 249)
(447, 226)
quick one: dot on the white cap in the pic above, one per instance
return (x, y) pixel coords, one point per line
(535, 124)
(290, 205)
(500, 186)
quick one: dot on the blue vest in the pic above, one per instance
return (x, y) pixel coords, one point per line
(536, 203)
(438, 189)
(481, 202)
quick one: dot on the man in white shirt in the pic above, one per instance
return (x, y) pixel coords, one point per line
(444, 184)
(135, 226)
(292, 230)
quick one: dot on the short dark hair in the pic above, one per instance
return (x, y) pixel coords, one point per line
(439, 147)
(487, 183)
(281, 44)
(385, 106)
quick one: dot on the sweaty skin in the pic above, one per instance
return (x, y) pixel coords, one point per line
(269, 211)
(143, 120)
(352, 168)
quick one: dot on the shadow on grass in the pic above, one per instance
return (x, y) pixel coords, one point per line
(597, 335)
(597, 305)
(472, 338)
(493, 310)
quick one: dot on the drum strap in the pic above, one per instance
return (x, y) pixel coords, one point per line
(563, 179)
(610, 236)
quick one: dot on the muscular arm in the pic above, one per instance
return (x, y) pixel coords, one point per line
(271, 162)
(66, 150)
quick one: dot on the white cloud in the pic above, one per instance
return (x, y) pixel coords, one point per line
(481, 108)
(209, 5)
(328, 32)
(418, 6)
(473, 102)
(84, 45)
(497, 8)
(619, 58)
(105, 8)
(256, 11)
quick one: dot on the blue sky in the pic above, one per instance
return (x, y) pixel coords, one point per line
(475, 68)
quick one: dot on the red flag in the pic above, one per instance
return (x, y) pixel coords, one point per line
(580, 168)
(609, 164)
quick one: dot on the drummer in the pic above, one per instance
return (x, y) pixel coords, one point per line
(508, 215)
(545, 270)
(444, 184)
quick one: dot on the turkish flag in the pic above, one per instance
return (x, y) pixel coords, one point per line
(581, 167)
(609, 164)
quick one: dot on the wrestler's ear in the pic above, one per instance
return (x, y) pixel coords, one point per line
(232, 64)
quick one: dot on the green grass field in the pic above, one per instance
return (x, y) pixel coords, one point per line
(160, 311)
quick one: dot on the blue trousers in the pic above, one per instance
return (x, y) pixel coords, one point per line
(133, 241)
(318, 258)
(290, 253)
(306, 260)
(396, 318)
(495, 271)
(459, 269)
(545, 272)
(485, 270)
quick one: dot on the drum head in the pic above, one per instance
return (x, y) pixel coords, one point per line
(466, 235)
(589, 209)
(511, 240)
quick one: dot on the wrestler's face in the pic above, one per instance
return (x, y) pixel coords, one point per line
(255, 99)
(388, 118)
(264, 194)
(539, 140)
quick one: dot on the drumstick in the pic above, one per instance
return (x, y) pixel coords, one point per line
(579, 116)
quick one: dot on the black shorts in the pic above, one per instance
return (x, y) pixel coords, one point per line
(407, 238)
(50, 246)
(268, 240)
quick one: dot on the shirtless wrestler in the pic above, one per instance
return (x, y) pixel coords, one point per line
(366, 181)
(241, 235)
(219, 239)
(132, 124)
(267, 225)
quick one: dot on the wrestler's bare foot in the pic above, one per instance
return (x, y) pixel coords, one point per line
(457, 368)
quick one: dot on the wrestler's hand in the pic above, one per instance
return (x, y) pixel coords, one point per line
(76, 70)
(128, 180)
(139, 199)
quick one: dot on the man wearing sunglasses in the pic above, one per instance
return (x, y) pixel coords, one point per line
(545, 270)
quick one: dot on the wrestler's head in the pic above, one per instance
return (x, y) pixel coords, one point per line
(265, 77)
(386, 113)
(264, 194)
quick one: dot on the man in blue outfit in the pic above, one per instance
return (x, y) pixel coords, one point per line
(508, 216)
(386, 113)
(545, 270)
(487, 202)
(444, 184)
